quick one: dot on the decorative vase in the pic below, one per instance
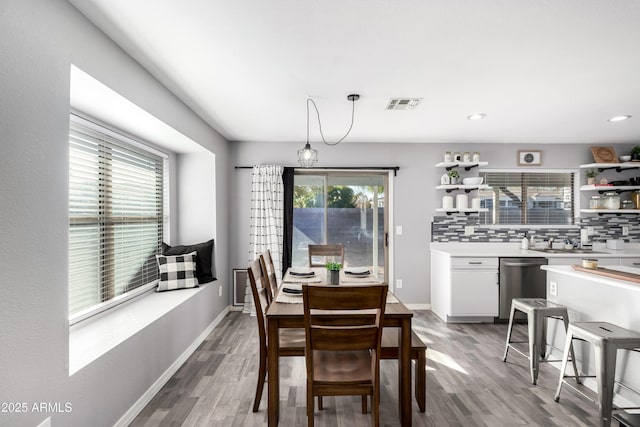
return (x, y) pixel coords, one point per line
(591, 181)
(334, 277)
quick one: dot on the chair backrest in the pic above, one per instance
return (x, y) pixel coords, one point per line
(343, 318)
(324, 251)
(270, 274)
(259, 290)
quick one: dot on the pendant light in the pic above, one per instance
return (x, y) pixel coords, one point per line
(307, 156)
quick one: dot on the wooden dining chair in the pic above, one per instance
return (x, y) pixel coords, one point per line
(269, 270)
(292, 341)
(342, 352)
(324, 251)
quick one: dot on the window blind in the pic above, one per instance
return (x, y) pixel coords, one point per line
(115, 216)
(530, 198)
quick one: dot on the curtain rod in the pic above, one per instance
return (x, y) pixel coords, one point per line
(395, 169)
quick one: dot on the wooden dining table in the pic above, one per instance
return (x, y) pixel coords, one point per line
(290, 315)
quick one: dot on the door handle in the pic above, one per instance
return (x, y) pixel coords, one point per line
(521, 264)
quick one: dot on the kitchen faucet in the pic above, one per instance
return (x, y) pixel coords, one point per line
(550, 242)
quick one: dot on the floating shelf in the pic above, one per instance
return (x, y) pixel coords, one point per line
(461, 211)
(467, 188)
(465, 165)
(605, 188)
(618, 167)
(611, 211)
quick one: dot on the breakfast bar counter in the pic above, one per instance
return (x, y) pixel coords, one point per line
(591, 297)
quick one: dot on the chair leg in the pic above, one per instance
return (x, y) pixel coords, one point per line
(364, 403)
(421, 380)
(565, 319)
(563, 368)
(506, 347)
(375, 406)
(605, 374)
(310, 408)
(535, 332)
(320, 407)
(262, 376)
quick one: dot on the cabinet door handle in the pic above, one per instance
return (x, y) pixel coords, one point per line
(636, 263)
(475, 262)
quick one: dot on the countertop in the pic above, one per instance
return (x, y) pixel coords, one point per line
(568, 271)
(512, 249)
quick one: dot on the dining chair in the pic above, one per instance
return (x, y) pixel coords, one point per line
(292, 341)
(269, 270)
(324, 251)
(342, 351)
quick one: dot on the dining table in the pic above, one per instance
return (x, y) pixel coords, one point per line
(286, 311)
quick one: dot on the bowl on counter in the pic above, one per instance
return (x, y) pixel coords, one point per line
(475, 180)
(625, 158)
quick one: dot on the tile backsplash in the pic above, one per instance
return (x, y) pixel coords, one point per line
(451, 228)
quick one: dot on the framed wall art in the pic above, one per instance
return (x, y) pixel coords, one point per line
(529, 158)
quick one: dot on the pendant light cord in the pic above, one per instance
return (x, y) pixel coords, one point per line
(353, 109)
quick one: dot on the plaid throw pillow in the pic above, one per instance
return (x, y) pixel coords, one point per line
(177, 272)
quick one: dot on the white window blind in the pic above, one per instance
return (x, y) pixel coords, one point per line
(115, 216)
(528, 198)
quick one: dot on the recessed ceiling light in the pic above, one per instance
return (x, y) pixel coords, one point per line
(476, 116)
(619, 118)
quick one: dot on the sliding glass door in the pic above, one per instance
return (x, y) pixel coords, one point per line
(342, 207)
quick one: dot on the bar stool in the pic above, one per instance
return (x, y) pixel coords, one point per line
(537, 310)
(607, 339)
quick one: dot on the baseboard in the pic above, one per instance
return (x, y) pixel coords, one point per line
(418, 306)
(137, 407)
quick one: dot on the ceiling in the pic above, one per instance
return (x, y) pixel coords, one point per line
(543, 71)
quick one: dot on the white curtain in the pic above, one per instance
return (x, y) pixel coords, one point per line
(267, 225)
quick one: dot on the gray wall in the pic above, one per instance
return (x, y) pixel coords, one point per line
(39, 40)
(415, 196)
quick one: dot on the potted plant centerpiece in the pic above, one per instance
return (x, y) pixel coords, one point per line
(334, 272)
(591, 176)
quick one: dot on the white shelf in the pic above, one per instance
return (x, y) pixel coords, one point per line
(465, 211)
(609, 187)
(614, 211)
(463, 164)
(451, 187)
(625, 165)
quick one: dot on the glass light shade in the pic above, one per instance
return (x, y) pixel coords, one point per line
(307, 156)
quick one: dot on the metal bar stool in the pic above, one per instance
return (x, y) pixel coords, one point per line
(607, 339)
(537, 310)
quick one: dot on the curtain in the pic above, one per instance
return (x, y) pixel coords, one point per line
(287, 248)
(266, 230)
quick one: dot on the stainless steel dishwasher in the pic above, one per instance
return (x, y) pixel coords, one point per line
(520, 278)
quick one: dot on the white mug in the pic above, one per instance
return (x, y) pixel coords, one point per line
(447, 202)
(475, 203)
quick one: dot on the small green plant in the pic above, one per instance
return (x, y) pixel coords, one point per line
(333, 266)
(591, 173)
(635, 151)
(453, 173)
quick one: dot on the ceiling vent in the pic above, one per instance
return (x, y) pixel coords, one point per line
(403, 103)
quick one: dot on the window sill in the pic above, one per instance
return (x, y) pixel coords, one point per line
(96, 337)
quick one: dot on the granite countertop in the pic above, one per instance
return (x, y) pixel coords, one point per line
(512, 249)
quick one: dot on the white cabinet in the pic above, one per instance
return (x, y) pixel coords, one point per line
(464, 288)
(630, 262)
(578, 260)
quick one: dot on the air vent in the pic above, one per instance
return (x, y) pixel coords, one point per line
(403, 103)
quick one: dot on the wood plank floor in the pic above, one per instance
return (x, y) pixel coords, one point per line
(467, 384)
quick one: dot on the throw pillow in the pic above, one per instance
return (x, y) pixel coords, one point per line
(177, 272)
(205, 261)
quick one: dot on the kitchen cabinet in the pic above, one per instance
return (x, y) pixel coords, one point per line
(464, 288)
(630, 262)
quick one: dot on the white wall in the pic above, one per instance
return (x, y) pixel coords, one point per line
(415, 197)
(39, 40)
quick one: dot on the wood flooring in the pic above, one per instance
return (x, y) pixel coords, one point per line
(467, 384)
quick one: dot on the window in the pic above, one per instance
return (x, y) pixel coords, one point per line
(115, 217)
(342, 207)
(528, 198)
